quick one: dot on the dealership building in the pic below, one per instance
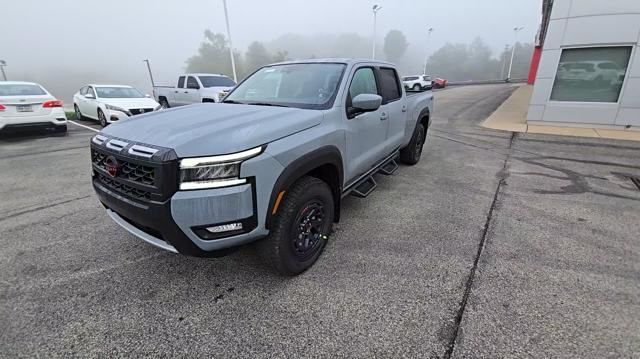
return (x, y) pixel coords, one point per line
(586, 68)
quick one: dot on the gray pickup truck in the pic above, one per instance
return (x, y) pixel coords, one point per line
(270, 163)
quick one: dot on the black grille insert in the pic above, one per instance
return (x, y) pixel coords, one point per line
(130, 171)
(635, 181)
(123, 188)
(137, 111)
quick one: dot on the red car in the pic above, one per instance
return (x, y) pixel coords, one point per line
(439, 83)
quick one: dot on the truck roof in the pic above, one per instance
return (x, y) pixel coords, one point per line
(342, 60)
(202, 74)
(108, 85)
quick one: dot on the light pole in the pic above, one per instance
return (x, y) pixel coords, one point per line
(513, 50)
(375, 9)
(2, 65)
(426, 58)
(233, 61)
(504, 60)
(153, 84)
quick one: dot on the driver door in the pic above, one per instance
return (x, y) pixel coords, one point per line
(366, 132)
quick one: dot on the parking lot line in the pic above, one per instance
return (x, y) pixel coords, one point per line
(87, 127)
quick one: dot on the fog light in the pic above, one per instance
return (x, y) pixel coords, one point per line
(225, 228)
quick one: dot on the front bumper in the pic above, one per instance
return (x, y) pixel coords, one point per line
(176, 220)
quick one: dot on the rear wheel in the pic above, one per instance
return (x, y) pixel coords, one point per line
(102, 118)
(416, 87)
(411, 154)
(301, 227)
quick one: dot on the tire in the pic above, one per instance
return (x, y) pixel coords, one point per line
(295, 243)
(416, 87)
(102, 118)
(164, 103)
(61, 129)
(411, 154)
(78, 113)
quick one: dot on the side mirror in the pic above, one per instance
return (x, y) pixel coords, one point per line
(366, 102)
(89, 96)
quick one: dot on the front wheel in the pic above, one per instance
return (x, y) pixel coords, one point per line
(416, 87)
(301, 227)
(102, 118)
(411, 154)
(78, 113)
(164, 103)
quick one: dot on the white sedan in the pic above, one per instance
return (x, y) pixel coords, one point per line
(111, 103)
(27, 105)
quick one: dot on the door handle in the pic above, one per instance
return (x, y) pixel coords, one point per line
(186, 92)
(404, 108)
(176, 91)
(384, 116)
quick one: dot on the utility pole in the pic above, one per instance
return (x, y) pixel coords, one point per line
(2, 65)
(233, 61)
(513, 51)
(153, 84)
(504, 60)
(375, 9)
(426, 58)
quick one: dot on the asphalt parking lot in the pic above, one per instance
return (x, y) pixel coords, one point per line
(494, 245)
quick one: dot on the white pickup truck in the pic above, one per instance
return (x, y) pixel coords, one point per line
(194, 88)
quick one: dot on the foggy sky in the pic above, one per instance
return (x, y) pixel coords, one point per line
(95, 37)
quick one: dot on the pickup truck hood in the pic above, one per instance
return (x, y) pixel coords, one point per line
(213, 129)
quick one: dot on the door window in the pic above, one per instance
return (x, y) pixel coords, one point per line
(83, 91)
(181, 82)
(90, 91)
(364, 81)
(192, 83)
(390, 86)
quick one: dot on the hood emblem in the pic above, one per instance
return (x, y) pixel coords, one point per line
(112, 166)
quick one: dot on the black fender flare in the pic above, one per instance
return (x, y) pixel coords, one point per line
(326, 155)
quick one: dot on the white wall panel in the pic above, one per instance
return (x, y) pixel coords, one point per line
(548, 64)
(598, 7)
(610, 29)
(603, 114)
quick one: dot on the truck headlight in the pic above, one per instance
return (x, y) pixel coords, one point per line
(214, 171)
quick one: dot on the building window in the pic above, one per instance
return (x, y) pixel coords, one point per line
(593, 74)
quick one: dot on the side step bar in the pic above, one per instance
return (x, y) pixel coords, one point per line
(365, 187)
(389, 168)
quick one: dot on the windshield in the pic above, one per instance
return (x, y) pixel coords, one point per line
(21, 90)
(118, 92)
(309, 86)
(215, 81)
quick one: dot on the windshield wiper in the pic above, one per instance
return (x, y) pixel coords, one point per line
(234, 102)
(265, 104)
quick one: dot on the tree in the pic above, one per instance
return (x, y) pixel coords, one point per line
(213, 56)
(395, 45)
(256, 56)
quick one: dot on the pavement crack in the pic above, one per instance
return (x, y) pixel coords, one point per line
(502, 174)
(15, 214)
(42, 152)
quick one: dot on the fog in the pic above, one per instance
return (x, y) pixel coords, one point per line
(67, 43)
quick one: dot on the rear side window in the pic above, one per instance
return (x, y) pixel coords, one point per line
(180, 82)
(364, 81)
(90, 91)
(390, 86)
(410, 78)
(192, 83)
(426, 78)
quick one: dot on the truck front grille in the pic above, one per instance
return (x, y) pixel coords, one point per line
(123, 188)
(130, 171)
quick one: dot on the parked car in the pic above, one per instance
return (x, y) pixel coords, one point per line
(111, 103)
(194, 88)
(417, 82)
(27, 105)
(592, 72)
(271, 163)
(439, 83)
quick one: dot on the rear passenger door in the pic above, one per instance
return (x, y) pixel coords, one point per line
(394, 107)
(192, 91)
(366, 132)
(178, 93)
